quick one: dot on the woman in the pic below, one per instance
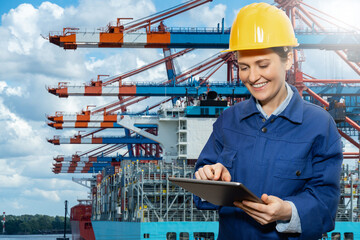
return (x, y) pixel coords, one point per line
(284, 149)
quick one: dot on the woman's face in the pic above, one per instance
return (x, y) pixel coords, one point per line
(263, 73)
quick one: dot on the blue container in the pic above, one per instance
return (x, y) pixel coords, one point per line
(109, 170)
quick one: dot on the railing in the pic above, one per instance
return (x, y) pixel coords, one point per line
(332, 84)
(195, 30)
(324, 31)
(203, 30)
(183, 84)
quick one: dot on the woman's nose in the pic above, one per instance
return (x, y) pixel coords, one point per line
(253, 76)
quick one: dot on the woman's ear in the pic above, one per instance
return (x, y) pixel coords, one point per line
(290, 60)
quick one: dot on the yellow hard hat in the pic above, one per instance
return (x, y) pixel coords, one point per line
(261, 25)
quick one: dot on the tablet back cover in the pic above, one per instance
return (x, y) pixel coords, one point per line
(216, 192)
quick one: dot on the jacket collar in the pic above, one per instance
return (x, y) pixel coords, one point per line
(293, 112)
(249, 108)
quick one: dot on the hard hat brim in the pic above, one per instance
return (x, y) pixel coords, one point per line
(257, 47)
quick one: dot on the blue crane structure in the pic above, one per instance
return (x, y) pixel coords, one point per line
(340, 97)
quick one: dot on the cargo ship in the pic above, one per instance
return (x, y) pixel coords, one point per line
(134, 200)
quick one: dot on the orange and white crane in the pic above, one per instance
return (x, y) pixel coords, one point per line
(142, 33)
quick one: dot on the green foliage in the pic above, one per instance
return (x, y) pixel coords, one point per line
(35, 224)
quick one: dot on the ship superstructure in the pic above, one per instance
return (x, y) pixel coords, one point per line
(141, 187)
(165, 138)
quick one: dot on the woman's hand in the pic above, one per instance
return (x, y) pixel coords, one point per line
(213, 172)
(273, 210)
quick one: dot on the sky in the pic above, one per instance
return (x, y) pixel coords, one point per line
(29, 63)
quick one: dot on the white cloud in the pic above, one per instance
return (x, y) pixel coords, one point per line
(51, 195)
(22, 24)
(54, 10)
(16, 204)
(12, 181)
(92, 64)
(16, 134)
(210, 17)
(87, 13)
(57, 183)
(342, 10)
(26, 52)
(6, 169)
(17, 91)
(10, 91)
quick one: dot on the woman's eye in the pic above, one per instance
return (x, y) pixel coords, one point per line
(243, 68)
(263, 66)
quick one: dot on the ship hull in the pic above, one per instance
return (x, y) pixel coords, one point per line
(343, 228)
(80, 220)
(109, 230)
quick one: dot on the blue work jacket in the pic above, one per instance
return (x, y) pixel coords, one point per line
(295, 156)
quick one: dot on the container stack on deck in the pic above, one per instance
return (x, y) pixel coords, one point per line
(140, 192)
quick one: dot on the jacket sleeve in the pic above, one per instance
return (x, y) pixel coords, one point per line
(317, 203)
(208, 156)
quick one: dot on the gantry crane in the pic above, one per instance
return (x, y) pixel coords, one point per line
(143, 33)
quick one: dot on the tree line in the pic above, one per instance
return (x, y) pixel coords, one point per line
(35, 224)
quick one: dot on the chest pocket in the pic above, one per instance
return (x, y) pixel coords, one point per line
(290, 176)
(227, 158)
(293, 169)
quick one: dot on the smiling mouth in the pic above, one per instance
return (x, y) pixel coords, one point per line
(259, 85)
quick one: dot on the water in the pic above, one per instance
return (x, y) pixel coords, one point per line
(33, 237)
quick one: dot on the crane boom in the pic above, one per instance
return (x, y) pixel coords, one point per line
(146, 22)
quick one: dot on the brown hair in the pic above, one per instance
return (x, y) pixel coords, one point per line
(282, 52)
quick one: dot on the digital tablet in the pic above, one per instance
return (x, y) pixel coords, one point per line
(216, 192)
